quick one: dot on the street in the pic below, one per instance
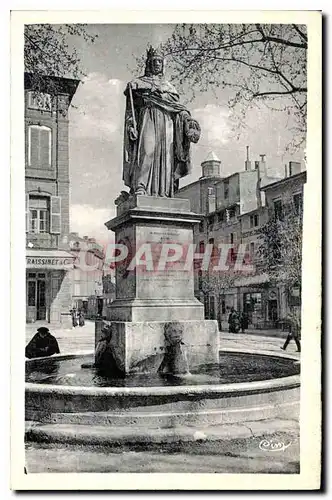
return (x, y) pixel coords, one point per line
(234, 456)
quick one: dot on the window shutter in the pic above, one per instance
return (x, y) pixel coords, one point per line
(33, 146)
(40, 138)
(45, 147)
(26, 213)
(55, 215)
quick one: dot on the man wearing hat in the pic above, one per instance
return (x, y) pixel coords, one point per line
(42, 344)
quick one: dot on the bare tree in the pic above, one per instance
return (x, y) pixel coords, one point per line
(257, 62)
(281, 250)
(49, 50)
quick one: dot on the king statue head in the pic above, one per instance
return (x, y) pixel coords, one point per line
(154, 63)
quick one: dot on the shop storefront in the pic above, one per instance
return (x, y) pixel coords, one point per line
(48, 285)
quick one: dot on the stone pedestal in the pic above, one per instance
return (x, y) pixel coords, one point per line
(140, 346)
(155, 286)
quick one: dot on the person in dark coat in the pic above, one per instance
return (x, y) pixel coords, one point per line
(233, 321)
(244, 321)
(73, 313)
(42, 344)
(81, 320)
(294, 331)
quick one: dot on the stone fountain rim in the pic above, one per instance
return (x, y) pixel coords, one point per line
(289, 382)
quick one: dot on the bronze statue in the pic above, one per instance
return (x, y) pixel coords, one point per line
(158, 132)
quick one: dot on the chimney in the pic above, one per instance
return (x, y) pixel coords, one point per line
(286, 171)
(294, 168)
(262, 166)
(211, 200)
(211, 166)
(247, 163)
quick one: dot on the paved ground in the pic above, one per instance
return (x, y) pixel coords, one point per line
(239, 455)
(81, 339)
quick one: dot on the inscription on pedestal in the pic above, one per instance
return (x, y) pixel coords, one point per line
(165, 276)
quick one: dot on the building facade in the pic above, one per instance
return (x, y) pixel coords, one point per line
(48, 261)
(236, 208)
(283, 198)
(87, 275)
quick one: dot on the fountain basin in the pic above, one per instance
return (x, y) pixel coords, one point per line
(195, 400)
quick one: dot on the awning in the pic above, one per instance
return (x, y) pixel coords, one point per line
(257, 279)
(49, 259)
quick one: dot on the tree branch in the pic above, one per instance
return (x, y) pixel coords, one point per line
(281, 41)
(276, 92)
(302, 35)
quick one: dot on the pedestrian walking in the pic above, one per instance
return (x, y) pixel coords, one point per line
(42, 344)
(294, 331)
(73, 313)
(81, 319)
(233, 321)
(244, 321)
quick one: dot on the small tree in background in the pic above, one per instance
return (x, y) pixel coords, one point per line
(281, 250)
(259, 63)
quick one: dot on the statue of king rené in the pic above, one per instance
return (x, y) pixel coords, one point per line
(158, 132)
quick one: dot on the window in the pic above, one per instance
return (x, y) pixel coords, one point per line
(39, 214)
(230, 213)
(232, 250)
(39, 146)
(298, 203)
(294, 296)
(278, 211)
(226, 189)
(253, 303)
(252, 251)
(211, 220)
(254, 220)
(31, 293)
(212, 312)
(233, 255)
(222, 304)
(221, 216)
(40, 100)
(200, 280)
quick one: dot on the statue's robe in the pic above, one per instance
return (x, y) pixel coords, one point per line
(160, 156)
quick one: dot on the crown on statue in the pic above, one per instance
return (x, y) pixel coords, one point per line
(153, 54)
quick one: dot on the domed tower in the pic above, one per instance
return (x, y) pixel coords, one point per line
(211, 166)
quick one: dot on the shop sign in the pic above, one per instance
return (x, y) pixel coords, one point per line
(49, 262)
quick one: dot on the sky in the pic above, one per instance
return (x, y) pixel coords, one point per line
(96, 126)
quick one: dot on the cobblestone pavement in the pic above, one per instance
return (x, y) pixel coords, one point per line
(81, 339)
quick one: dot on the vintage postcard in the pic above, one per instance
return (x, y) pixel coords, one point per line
(166, 233)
